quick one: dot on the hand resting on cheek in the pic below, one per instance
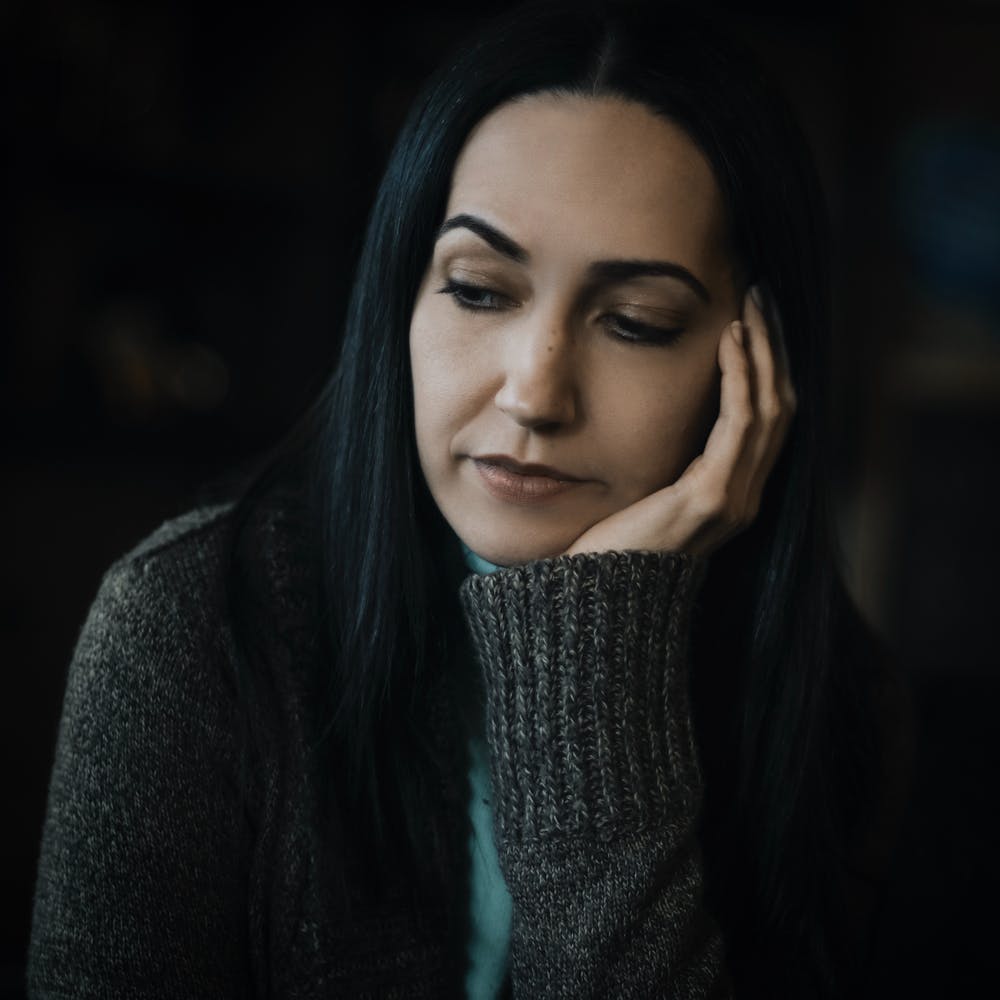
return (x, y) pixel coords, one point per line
(719, 493)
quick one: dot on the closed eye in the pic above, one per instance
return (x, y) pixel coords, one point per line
(479, 298)
(640, 333)
(475, 298)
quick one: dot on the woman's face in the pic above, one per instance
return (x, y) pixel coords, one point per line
(569, 318)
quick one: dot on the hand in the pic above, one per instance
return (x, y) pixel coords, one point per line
(719, 493)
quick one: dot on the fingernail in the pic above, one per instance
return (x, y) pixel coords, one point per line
(758, 298)
(738, 335)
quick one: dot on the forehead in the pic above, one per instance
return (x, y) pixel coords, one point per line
(604, 175)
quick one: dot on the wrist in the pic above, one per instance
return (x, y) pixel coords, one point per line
(586, 671)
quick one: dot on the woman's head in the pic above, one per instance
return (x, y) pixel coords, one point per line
(686, 93)
(583, 133)
(569, 317)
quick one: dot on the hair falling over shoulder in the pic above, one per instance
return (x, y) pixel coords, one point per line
(776, 684)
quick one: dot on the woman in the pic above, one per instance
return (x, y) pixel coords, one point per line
(523, 665)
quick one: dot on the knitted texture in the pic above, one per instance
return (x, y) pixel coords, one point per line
(595, 773)
(157, 879)
(145, 752)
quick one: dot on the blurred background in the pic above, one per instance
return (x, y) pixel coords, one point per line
(183, 193)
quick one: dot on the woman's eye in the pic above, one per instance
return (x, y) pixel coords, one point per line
(474, 297)
(640, 333)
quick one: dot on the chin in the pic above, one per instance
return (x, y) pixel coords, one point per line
(505, 552)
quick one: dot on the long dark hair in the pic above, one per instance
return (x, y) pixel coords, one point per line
(770, 707)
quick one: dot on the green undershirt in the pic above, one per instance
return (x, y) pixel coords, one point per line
(489, 900)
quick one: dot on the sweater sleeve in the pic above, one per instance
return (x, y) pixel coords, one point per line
(141, 881)
(596, 777)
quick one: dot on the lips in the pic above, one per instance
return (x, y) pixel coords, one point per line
(515, 482)
(527, 468)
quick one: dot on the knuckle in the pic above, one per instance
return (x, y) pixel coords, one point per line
(742, 424)
(712, 505)
(770, 411)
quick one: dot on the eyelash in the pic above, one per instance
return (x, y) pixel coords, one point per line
(464, 296)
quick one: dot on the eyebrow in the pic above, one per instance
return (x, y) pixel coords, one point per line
(490, 234)
(601, 271)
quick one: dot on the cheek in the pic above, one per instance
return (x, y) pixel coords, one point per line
(429, 388)
(443, 380)
(662, 425)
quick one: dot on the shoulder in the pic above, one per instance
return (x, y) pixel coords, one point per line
(166, 613)
(189, 531)
(166, 584)
(179, 575)
(160, 667)
(154, 644)
(145, 821)
(189, 547)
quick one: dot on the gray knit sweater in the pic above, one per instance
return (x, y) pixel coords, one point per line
(157, 880)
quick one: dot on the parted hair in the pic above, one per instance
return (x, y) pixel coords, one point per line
(777, 678)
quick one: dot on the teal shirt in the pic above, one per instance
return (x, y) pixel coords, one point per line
(490, 903)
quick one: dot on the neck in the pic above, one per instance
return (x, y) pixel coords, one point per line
(477, 563)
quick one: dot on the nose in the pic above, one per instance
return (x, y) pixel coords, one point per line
(539, 389)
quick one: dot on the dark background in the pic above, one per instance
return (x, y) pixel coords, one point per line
(182, 195)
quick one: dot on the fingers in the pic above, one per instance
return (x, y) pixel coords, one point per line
(714, 478)
(719, 493)
(725, 442)
(755, 410)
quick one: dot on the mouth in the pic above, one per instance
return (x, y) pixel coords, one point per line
(530, 470)
(515, 482)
